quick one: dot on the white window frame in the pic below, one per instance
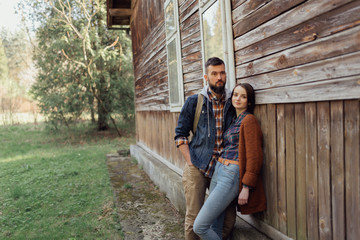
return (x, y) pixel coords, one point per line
(175, 107)
(228, 39)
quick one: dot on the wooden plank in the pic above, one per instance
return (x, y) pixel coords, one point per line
(247, 8)
(246, 21)
(190, 22)
(144, 96)
(190, 93)
(149, 91)
(152, 52)
(137, 126)
(156, 85)
(301, 212)
(173, 117)
(177, 154)
(142, 31)
(272, 165)
(185, 4)
(195, 85)
(311, 171)
(182, 2)
(337, 169)
(120, 12)
(180, 157)
(323, 125)
(164, 124)
(188, 10)
(281, 168)
(196, 56)
(155, 106)
(324, 25)
(302, 13)
(332, 46)
(337, 67)
(289, 118)
(190, 36)
(160, 103)
(158, 50)
(236, 3)
(262, 114)
(341, 88)
(194, 66)
(192, 48)
(352, 173)
(193, 76)
(141, 57)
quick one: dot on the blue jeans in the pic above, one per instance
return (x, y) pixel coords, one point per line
(224, 188)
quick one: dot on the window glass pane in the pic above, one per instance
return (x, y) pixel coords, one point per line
(212, 32)
(173, 73)
(170, 19)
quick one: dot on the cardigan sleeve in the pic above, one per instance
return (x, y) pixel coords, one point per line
(252, 137)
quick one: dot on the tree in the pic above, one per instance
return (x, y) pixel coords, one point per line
(82, 65)
(15, 75)
(3, 64)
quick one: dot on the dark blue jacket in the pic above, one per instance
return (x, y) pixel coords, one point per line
(203, 142)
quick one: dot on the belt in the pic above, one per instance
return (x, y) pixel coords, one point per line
(227, 162)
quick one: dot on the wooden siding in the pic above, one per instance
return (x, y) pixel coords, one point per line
(302, 58)
(149, 51)
(290, 51)
(189, 18)
(156, 130)
(298, 51)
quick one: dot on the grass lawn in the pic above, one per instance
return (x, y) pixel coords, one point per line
(55, 185)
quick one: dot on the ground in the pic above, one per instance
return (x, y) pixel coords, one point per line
(144, 212)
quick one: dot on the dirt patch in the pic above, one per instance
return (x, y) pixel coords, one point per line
(144, 212)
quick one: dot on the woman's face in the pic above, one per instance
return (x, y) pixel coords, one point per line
(239, 99)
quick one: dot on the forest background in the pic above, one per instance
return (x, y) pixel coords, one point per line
(62, 64)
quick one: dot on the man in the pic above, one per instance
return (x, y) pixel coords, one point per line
(203, 151)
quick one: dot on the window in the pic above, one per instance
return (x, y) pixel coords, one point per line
(216, 35)
(175, 76)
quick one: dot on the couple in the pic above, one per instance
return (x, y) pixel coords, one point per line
(227, 149)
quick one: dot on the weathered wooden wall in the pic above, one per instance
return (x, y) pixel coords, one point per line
(305, 51)
(298, 51)
(302, 57)
(312, 168)
(149, 51)
(156, 131)
(191, 46)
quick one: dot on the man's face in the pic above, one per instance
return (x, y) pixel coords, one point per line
(216, 77)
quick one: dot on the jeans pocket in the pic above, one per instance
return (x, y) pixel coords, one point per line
(231, 170)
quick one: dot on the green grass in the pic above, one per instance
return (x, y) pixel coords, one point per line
(55, 185)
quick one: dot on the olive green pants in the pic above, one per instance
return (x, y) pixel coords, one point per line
(195, 185)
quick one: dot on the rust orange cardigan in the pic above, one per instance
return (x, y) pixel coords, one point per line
(250, 163)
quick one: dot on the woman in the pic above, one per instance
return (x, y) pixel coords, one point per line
(237, 173)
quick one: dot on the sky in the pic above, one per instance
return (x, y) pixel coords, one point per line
(8, 18)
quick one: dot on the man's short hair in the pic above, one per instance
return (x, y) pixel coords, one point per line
(214, 61)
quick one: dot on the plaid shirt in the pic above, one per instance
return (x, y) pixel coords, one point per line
(218, 110)
(231, 139)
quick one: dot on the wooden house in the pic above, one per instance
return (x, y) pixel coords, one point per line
(303, 59)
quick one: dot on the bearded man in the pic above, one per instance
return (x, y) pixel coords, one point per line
(202, 152)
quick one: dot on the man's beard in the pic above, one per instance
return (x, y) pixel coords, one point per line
(216, 89)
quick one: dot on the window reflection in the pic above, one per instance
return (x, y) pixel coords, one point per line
(173, 73)
(169, 19)
(212, 32)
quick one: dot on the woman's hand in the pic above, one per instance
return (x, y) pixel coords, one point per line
(243, 196)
